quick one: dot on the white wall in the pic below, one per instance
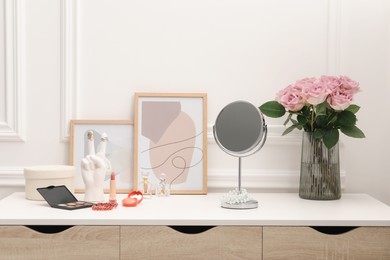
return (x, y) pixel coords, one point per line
(85, 59)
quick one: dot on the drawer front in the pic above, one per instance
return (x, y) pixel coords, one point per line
(301, 243)
(161, 242)
(77, 242)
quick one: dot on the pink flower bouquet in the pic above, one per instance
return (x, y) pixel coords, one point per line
(321, 105)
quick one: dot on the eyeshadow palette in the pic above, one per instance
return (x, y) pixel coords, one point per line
(60, 197)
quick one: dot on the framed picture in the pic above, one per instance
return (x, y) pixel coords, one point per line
(170, 137)
(119, 150)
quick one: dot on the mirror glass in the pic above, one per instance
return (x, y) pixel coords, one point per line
(239, 129)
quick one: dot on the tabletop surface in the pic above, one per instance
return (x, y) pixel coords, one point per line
(275, 209)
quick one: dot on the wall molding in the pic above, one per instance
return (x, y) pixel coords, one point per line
(68, 66)
(11, 177)
(217, 179)
(12, 128)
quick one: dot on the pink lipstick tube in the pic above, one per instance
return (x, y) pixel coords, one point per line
(112, 188)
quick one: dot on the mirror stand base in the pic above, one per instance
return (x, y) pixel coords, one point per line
(251, 204)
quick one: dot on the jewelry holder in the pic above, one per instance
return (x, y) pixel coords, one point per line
(240, 131)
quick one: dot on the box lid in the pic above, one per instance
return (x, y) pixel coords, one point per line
(49, 171)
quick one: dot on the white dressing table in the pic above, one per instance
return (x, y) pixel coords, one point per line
(196, 227)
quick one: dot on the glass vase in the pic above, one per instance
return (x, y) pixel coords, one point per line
(320, 170)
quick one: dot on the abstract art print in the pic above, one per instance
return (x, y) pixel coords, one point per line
(170, 137)
(118, 150)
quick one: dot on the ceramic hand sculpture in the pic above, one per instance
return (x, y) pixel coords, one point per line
(94, 168)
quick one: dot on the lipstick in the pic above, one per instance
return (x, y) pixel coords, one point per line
(112, 188)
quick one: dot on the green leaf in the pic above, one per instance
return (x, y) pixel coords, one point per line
(353, 108)
(352, 131)
(331, 137)
(321, 121)
(332, 118)
(288, 119)
(302, 120)
(290, 128)
(321, 109)
(306, 111)
(346, 118)
(272, 109)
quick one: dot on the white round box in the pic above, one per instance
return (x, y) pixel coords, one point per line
(47, 175)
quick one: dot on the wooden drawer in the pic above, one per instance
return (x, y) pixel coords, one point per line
(77, 242)
(161, 242)
(301, 243)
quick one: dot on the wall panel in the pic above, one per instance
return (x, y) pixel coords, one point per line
(11, 76)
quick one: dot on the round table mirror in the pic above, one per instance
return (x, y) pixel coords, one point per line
(240, 131)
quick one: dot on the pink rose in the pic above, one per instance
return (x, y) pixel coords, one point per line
(349, 85)
(342, 96)
(339, 100)
(331, 81)
(291, 98)
(315, 91)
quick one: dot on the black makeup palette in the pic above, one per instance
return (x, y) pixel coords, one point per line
(61, 198)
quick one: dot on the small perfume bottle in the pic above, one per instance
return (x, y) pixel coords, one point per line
(145, 186)
(162, 189)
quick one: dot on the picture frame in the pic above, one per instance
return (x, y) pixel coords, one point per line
(119, 150)
(170, 137)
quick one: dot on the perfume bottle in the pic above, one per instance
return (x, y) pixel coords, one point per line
(162, 189)
(145, 186)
